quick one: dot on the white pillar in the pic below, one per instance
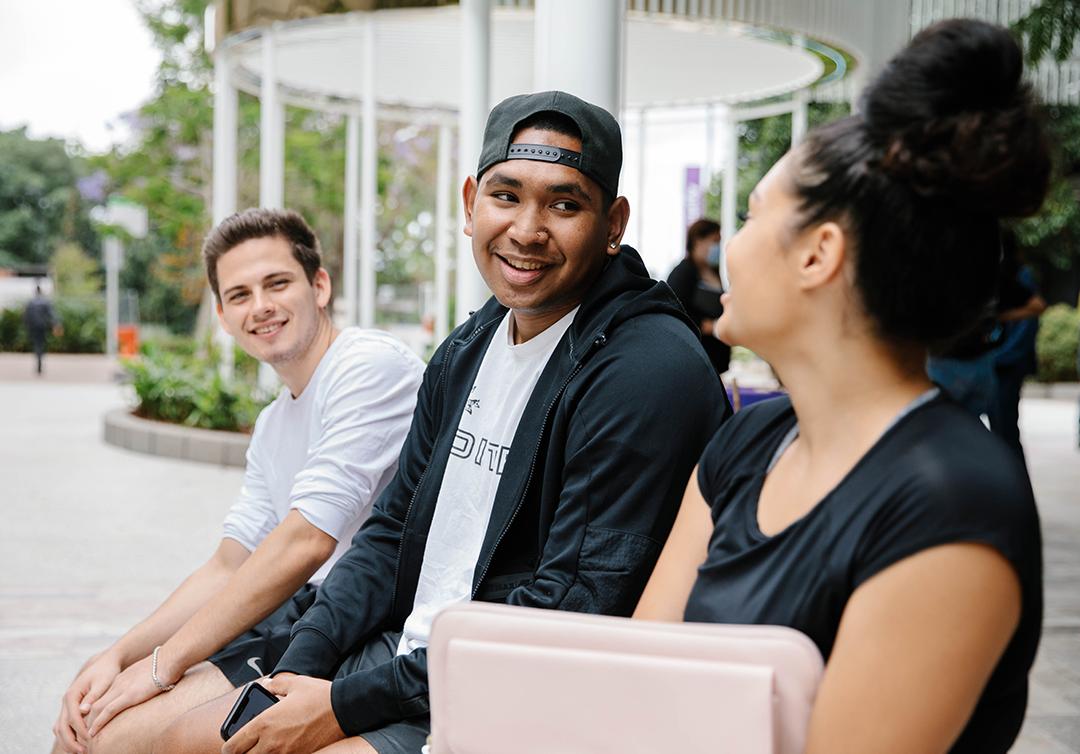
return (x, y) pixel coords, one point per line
(475, 102)
(799, 114)
(114, 260)
(443, 223)
(271, 155)
(578, 48)
(730, 146)
(639, 201)
(350, 268)
(368, 180)
(710, 145)
(271, 129)
(224, 180)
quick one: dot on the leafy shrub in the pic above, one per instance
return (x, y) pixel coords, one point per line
(83, 321)
(1056, 347)
(185, 389)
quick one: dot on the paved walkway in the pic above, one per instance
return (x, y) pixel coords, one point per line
(94, 536)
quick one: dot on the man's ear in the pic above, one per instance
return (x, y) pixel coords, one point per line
(468, 199)
(618, 216)
(323, 287)
(221, 316)
(821, 256)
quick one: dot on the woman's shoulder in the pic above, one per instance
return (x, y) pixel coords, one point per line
(746, 440)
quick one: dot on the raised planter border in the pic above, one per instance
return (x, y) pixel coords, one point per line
(125, 430)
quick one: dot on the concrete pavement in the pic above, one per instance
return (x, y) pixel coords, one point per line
(93, 537)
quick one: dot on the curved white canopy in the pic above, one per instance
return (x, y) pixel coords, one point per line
(668, 61)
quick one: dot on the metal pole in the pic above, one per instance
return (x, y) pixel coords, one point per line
(730, 182)
(272, 135)
(271, 155)
(443, 223)
(352, 200)
(114, 254)
(224, 181)
(583, 57)
(368, 178)
(640, 199)
(475, 101)
(799, 114)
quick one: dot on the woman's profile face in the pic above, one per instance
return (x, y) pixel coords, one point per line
(760, 305)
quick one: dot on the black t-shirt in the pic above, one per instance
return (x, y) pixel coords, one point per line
(936, 476)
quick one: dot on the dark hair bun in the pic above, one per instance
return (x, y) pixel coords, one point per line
(954, 120)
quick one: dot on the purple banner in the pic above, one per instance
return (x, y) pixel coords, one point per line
(693, 195)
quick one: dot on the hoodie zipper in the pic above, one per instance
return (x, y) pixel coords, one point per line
(600, 340)
(423, 474)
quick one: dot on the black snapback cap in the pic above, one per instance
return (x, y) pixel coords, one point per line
(601, 139)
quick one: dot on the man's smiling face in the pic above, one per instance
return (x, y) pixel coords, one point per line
(267, 303)
(540, 230)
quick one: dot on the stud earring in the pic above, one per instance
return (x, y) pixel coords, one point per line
(613, 244)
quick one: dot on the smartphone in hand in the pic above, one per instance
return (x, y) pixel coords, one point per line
(253, 700)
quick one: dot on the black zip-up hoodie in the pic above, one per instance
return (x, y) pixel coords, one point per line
(590, 489)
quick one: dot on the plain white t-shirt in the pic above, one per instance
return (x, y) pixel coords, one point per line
(504, 384)
(329, 452)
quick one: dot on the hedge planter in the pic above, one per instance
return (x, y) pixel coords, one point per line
(156, 438)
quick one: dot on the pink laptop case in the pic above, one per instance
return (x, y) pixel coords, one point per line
(513, 680)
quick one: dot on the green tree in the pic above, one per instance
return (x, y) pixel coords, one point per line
(1050, 26)
(74, 273)
(40, 205)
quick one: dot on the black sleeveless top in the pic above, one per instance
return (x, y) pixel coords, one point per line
(936, 476)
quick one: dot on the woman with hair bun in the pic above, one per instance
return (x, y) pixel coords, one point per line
(865, 509)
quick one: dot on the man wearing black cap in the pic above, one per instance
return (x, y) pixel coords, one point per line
(553, 436)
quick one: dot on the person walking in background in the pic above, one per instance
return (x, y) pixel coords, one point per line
(696, 282)
(40, 320)
(1014, 358)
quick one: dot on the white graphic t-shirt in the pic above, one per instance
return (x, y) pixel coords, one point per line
(503, 386)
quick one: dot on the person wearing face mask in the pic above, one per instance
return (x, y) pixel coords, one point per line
(696, 283)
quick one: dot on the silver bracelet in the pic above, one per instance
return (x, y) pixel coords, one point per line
(153, 673)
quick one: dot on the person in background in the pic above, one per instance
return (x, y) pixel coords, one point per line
(1014, 357)
(866, 509)
(696, 282)
(40, 320)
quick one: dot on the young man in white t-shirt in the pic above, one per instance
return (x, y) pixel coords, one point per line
(319, 455)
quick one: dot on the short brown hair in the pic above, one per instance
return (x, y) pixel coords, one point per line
(262, 223)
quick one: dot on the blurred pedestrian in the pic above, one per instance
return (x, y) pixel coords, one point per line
(696, 283)
(40, 319)
(1014, 357)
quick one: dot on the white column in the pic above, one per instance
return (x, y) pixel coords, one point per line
(799, 114)
(443, 223)
(710, 145)
(271, 129)
(730, 147)
(475, 102)
(350, 268)
(639, 201)
(578, 47)
(271, 154)
(114, 260)
(223, 200)
(368, 180)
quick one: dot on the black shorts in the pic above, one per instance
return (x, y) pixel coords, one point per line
(255, 652)
(405, 736)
